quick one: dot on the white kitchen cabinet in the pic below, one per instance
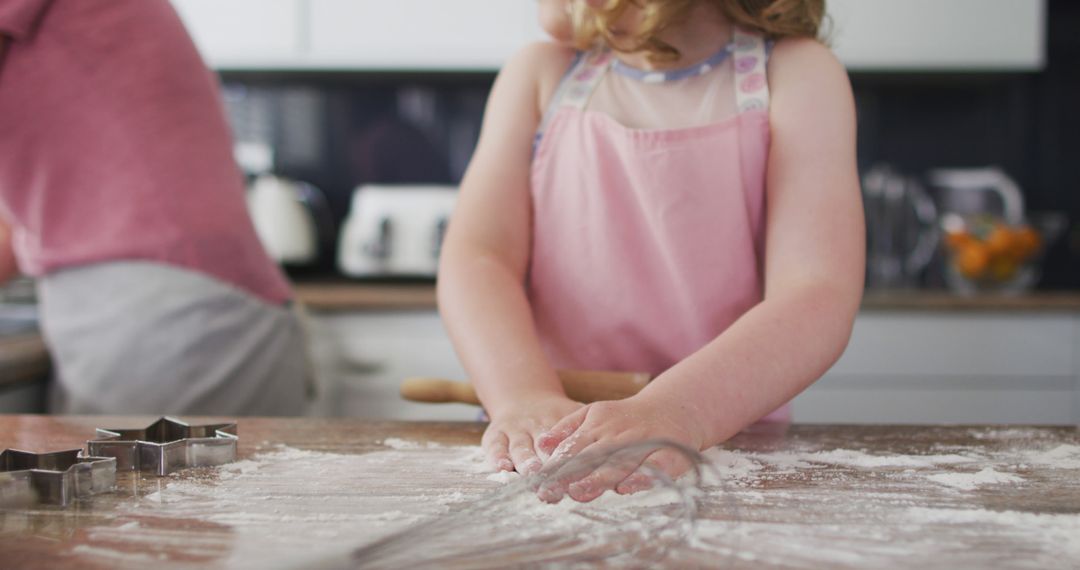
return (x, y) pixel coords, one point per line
(359, 34)
(900, 367)
(362, 357)
(873, 35)
(939, 34)
(246, 33)
(934, 367)
(419, 34)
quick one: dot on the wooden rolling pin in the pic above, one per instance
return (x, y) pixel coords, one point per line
(581, 385)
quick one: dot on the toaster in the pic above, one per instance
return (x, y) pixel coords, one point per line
(395, 230)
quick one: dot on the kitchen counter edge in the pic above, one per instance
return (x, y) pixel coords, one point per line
(333, 297)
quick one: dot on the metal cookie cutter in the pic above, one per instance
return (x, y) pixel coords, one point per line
(167, 445)
(56, 478)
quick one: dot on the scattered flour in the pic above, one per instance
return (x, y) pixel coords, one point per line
(866, 461)
(925, 515)
(270, 510)
(970, 481)
(726, 467)
(504, 477)
(1055, 533)
(1008, 433)
(1060, 457)
(240, 467)
(736, 467)
(399, 444)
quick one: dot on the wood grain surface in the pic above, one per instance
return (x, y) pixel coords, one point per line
(781, 497)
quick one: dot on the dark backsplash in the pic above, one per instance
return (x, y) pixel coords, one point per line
(340, 130)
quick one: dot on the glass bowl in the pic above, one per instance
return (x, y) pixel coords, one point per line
(986, 255)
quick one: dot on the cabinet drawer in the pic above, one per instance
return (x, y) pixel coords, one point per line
(374, 393)
(361, 359)
(381, 325)
(959, 344)
(941, 406)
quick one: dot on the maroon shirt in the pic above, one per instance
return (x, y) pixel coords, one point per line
(114, 145)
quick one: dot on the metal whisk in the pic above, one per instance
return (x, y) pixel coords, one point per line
(493, 532)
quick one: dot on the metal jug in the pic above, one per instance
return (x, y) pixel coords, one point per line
(901, 228)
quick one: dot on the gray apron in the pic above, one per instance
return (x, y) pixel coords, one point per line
(149, 338)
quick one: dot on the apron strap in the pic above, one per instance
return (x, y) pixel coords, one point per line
(751, 83)
(577, 85)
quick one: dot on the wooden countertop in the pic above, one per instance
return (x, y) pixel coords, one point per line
(328, 297)
(798, 497)
(23, 358)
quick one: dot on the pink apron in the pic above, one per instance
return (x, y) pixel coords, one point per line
(647, 244)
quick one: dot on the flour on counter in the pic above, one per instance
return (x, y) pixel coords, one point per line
(865, 461)
(1057, 532)
(398, 443)
(269, 511)
(733, 467)
(504, 477)
(969, 481)
(1008, 433)
(1060, 457)
(284, 505)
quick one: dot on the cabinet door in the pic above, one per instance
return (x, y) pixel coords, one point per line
(362, 357)
(245, 33)
(951, 368)
(939, 34)
(419, 34)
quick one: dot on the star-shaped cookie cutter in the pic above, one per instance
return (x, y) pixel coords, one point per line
(167, 445)
(55, 478)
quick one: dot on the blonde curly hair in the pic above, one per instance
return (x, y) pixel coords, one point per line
(775, 19)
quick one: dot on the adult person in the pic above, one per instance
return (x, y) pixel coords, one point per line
(120, 194)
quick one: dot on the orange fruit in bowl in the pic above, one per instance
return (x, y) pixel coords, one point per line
(1027, 242)
(972, 259)
(1003, 268)
(1001, 241)
(956, 240)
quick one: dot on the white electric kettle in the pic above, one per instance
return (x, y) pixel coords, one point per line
(974, 191)
(283, 218)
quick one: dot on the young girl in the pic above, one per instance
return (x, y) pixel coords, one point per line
(681, 198)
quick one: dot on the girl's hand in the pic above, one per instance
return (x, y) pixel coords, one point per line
(605, 426)
(509, 439)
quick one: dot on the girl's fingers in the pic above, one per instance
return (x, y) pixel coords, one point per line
(497, 452)
(635, 483)
(565, 467)
(522, 453)
(548, 441)
(665, 461)
(615, 469)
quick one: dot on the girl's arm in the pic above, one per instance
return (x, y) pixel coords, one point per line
(481, 288)
(814, 271)
(814, 253)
